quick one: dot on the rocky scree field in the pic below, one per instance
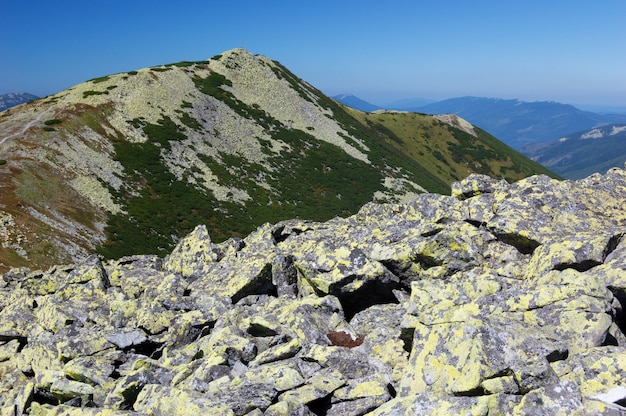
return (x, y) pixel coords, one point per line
(130, 163)
(500, 299)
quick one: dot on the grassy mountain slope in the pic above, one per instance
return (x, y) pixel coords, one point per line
(127, 163)
(518, 123)
(449, 148)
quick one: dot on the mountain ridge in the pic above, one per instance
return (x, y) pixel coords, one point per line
(518, 122)
(514, 121)
(130, 162)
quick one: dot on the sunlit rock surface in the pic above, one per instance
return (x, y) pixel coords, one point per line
(500, 299)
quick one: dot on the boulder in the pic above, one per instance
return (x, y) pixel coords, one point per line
(499, 299)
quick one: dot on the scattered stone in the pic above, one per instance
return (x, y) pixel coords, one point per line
(500, 299)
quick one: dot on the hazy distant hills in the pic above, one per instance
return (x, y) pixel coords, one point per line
(580, 154)
(128, 163)
(515, 122)
(408, 103)
(602, 109)
(356, 103)
(359, 104)
(12, 99)
(518, 123)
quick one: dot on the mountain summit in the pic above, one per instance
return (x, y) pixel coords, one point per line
(128, 163)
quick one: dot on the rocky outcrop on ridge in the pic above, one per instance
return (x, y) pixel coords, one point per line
(499, 299)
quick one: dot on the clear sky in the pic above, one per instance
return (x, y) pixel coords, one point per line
(571, 51)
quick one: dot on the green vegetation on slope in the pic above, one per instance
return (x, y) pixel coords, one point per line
(162, 190)
(313, 180)
(162, 206)
(382, 142)
(448, 153)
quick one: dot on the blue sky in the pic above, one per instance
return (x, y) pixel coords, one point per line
(571, 51)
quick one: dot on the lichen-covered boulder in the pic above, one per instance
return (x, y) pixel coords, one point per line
(501, 299)
(194, 254)
(474, 185)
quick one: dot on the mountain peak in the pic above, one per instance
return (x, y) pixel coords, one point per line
(458, 122)
(134, 160)
(237, 52)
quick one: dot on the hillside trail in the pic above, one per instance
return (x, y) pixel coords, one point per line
(26, 126)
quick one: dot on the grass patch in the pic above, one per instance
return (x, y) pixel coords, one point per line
(189, 121)
(100, 79)
(183, 64)
(211, 85)
(91, 92)
(45, 188)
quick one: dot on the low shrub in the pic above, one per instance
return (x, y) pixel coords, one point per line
(91, 92)
(99, 80)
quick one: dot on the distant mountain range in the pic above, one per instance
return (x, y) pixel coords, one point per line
(602, 109)
(12, 99)
(515, 122)
(128, 163)
(359, 104)
(580, 154)
(356, 103)
(535, 129)
(518, 123)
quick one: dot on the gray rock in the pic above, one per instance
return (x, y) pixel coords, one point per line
(499, 299)
(123, 340)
